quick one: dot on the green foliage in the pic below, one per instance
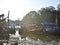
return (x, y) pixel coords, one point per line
(58, 7)
(31, 17)
(47, 14)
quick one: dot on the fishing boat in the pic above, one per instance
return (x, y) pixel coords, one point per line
(51, 28)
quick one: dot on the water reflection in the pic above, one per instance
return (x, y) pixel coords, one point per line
(41, 42)
(32, 38)
(42, 39)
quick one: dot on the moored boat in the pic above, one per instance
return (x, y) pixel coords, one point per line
(51, 28)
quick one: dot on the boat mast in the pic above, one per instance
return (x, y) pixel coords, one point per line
(56, 17)
(8, 18)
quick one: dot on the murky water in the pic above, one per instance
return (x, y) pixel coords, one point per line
(41, 40)
(32, 41)
(30, 38)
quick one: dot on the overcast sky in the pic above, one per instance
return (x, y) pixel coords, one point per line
(19, 8)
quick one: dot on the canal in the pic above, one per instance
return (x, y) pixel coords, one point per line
(40, 39)
(33, 38)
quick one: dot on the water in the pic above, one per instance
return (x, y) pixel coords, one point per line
(40, 42)
(36, 40)
(42, 39)
(32, 38)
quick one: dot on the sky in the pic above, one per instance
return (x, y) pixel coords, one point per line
(19, 8)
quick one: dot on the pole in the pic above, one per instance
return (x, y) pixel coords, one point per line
(56, 17)
(8, 18)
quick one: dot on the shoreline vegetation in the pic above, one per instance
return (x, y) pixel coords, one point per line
(32, 24)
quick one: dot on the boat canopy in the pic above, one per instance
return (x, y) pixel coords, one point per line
(49, 24)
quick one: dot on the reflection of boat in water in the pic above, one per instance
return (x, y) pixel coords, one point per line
(51, 28)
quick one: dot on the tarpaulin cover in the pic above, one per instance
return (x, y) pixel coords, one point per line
(49, 24)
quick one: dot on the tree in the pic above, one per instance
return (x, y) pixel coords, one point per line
(32, 18)
(50, 8)
(58, 6)
(47, 14)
